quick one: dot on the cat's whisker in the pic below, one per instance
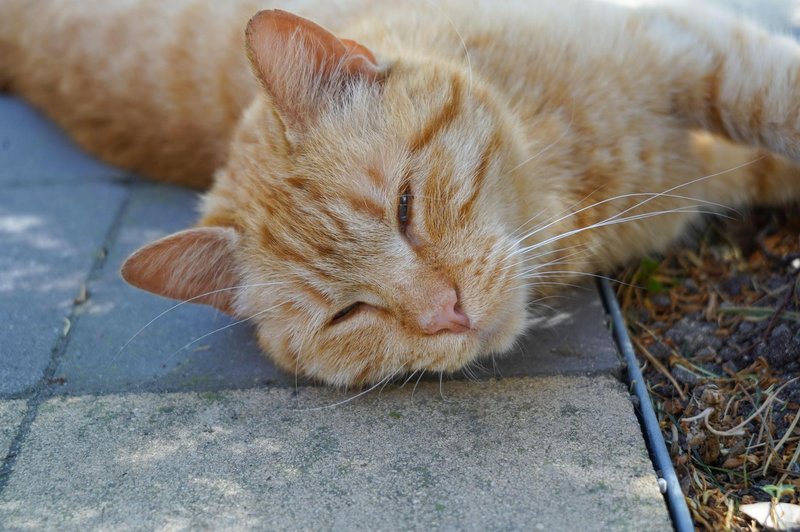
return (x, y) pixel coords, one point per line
(539, 299)
(527, 268)
(538, 255)
(190, 300)
(441, 386)
(533, 271)
(399, 371)
(586, 274)
(546, 307)
(381, 382)
(235, 323)
(650, 196)
(560, 213)
(559, 260)
(413, 373)
(530, 271)
(535, 304)
(689, 209)
(468, 372)
(479, 365)
(421, 373)
(552, 283)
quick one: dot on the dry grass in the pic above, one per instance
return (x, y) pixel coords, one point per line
(717, 330)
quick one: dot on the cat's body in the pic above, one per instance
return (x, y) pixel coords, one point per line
(509, 125)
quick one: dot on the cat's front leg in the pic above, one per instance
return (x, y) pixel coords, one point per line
(730, 77)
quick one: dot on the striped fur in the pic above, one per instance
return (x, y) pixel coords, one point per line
(523, 130)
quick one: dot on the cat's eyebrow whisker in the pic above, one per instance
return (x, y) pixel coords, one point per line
(190, 300)
(460, 37)
(381, 382)
(237, 322)
(543, 150)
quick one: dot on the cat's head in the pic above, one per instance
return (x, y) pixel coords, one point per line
(365, 213)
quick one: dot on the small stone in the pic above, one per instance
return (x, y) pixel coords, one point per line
(684, 376)
(690, 285)
(728, 353)
(661, 301)
(659, 350)
(705, 352)
(778, 349)
(734, 285)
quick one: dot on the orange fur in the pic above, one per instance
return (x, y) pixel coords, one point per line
(524, 134)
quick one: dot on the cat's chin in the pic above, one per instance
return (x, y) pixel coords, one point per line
(500, 337)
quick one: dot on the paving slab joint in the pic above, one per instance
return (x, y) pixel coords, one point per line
(39, 392)
(668, 482)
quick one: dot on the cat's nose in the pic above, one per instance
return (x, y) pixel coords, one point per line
(446, 315)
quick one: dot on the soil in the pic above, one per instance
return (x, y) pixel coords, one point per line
(716, 326)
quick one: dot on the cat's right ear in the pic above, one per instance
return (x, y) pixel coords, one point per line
(195, 265)
(302, 65)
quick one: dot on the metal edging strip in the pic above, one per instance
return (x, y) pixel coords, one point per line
(676, 503)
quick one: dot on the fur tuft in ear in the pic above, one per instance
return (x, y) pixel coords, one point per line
(187, 265)
(301, 63)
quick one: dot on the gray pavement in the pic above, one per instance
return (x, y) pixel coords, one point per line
(11, 414)
(508, 455)
(182, 430)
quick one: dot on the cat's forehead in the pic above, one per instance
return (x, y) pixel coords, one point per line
(405, 128)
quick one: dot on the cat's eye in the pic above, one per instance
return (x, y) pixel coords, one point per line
(404, 208)
(342, 314)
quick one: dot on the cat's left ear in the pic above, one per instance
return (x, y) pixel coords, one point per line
(194, 265)
(303, 66)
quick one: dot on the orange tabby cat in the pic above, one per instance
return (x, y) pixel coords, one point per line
(395, 202)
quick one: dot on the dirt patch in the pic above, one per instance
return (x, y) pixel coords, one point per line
(716, 327)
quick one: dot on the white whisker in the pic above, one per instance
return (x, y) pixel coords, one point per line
(360, 394)
(257, 314)
(195, 298)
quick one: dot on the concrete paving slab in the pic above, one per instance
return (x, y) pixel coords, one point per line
(115, 311)
(571, 339)
(556, 453)
(11, 414)
(50, 237)
(34, 150)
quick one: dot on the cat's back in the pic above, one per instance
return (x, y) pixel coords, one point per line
(157, 86)
(152, 86)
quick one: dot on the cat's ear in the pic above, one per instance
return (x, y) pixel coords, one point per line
(301, 64)
(188, 265)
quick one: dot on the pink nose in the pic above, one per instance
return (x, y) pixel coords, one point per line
(448, 317)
